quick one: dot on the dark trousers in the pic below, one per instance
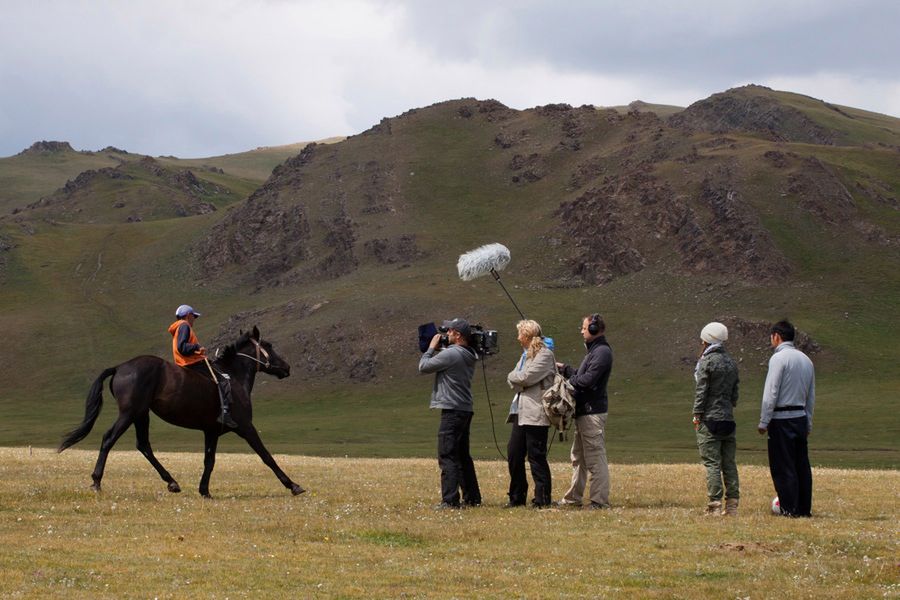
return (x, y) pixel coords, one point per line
(789, 465)
(457, 467)
(530, 441)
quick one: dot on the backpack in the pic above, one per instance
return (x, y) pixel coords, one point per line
(559, 404)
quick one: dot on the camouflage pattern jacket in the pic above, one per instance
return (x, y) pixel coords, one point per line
(717, 386)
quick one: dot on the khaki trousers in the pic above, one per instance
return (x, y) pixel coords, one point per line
(589, 456)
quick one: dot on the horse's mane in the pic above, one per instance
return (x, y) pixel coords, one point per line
(230, 351)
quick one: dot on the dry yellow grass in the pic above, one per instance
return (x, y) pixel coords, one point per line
(366, 529)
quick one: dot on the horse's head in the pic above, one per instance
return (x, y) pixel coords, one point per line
(252, 348)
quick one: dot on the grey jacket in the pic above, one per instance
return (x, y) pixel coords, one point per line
(790, 389)
(535, 376)
(716, 394)
(453, 367)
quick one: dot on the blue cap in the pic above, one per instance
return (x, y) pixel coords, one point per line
(548, 342)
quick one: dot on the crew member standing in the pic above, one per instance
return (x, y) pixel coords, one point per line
(530, 425)
(453, 368)
(715, 396)
(788, 401)
(591, 401)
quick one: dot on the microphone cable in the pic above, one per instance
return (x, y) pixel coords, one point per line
(487, 393)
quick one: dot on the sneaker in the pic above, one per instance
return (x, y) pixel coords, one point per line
(595, 506)
(446, 506)
(471, 504)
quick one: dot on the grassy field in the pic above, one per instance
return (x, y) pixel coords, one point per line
(366, 529)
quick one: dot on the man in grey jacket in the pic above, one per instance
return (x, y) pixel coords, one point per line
(789, 398)
(453, 367)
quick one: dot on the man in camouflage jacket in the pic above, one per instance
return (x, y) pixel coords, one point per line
(715, 397)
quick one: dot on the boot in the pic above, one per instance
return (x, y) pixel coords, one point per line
(225, 401)
(713, 508)
(731, 507)
(226, 420)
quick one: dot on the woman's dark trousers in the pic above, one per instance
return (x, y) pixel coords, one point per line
(530, 441)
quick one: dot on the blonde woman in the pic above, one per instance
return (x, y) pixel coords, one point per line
(528, 438)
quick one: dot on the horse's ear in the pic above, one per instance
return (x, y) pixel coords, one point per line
(255, 334)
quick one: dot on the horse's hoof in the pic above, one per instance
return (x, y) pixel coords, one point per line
(297, 490)
(173, 487)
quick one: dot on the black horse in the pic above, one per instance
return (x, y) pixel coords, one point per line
(187, 399)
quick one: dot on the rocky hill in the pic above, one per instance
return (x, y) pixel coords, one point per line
(746, 207)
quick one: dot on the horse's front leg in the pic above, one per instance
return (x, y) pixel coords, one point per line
(249, 433)
(210, 444)
(142, 429)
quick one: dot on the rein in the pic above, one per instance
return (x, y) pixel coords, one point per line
(259, 350)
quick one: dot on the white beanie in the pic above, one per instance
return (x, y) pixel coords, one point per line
(714, 333)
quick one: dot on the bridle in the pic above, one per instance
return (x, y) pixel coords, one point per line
(259, 351)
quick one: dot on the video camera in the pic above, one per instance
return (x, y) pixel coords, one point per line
(483, 341)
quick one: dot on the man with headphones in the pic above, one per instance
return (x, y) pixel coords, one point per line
(589, 443)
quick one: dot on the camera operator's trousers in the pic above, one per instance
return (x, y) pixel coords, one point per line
(457, 467)
(589, 456)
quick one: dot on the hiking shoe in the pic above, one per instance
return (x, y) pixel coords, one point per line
(713, 508)
(731, 507)
(595, 506)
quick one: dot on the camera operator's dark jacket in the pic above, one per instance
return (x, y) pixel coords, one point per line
(453, 367)
(591, 378)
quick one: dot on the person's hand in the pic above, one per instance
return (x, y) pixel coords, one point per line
(560, 365)
(761, 430)
(202, 351)
(696, 423)
(435, 341)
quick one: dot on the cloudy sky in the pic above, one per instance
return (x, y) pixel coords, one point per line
(206, 77)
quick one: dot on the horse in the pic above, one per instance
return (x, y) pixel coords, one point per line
(187, 399)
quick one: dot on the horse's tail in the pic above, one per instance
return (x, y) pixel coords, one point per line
(92, 406)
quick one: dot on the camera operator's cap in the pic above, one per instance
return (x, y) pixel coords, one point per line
(714, 333)
(185, 310)
(460, 325)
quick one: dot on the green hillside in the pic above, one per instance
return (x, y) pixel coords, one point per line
(661, 224)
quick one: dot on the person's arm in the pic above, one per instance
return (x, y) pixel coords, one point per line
(734, 391)
(702, 389)
(597, 363)
(185, 348)
(535, 371)
(810, 403)
(771, 389)
(433, 361)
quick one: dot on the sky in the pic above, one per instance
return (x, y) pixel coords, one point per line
(198, 78)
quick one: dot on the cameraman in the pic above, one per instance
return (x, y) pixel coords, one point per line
(454, 367)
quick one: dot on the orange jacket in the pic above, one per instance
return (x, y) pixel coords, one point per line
(183, 360)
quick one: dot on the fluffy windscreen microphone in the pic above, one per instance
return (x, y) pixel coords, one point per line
(481, 261)
(491, 258)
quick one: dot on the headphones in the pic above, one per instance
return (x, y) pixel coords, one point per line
(594, 324)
